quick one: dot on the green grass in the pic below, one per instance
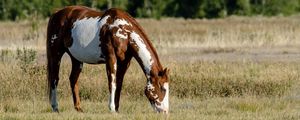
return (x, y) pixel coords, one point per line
(212, 108)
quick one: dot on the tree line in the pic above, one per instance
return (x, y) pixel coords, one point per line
(23, 9)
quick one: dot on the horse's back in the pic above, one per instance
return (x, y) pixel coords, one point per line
(72, 13)
(68, 15)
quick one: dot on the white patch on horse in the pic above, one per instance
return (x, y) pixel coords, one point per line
(86, 39)
(143, 52)
(164, 104)
(119, 22)
(103, 21)
(155, 97)
(112, 95)
(115, 66)
(122, 36)
(150, 87)
(53, 37)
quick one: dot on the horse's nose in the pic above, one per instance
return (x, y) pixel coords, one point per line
(165, 112)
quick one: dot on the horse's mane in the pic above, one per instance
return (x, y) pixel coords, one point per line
(142, 32)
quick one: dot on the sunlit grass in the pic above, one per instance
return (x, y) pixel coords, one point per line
(220, 69)
(212, 108)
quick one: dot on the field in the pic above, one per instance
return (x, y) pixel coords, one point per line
(231, 68)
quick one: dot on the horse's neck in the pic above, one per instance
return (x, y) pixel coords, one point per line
(145, 54)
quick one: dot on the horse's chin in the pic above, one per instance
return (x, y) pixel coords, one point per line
(159, 109)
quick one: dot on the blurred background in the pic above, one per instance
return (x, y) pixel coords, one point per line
(22, 9)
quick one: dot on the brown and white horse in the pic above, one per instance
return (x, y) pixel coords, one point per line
(112, 37)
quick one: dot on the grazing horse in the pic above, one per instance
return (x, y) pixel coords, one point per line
(112, 38)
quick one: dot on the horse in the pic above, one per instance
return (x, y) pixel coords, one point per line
(112, 38)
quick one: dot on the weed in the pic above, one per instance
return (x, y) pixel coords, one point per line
(6, 55)
(10, 108)
(26, 58)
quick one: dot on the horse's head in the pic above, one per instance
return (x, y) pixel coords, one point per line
(157, 91)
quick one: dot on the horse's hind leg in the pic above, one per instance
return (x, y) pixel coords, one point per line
(54, 57)
(76, 69)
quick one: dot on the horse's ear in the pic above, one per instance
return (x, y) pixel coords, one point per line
(166, 71)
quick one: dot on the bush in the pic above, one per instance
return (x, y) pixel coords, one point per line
(238, 7)
(280, 7)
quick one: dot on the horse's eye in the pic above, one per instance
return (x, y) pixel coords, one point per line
(163, 89)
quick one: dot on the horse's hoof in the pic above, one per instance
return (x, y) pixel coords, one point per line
(114, 112)
(55, 110)
(79, 110)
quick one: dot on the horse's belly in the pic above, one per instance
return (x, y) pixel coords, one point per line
(86, 41)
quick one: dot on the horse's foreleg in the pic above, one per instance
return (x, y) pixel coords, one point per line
(76, 69)
(111, 68)
(122, 67)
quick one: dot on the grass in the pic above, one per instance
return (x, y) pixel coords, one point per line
(212, 108)
(232, 68)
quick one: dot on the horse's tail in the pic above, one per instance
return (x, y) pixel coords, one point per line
(54, 43)
(55, 25)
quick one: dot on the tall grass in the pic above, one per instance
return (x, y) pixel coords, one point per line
(232, 68)
(205, 79)
(228, 32)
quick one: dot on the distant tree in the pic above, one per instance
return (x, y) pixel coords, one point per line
(214, 8)
(276, 7)
(238, 7)
(122, 4)
(133, 6)
(146, 8)
(101, 4)
(257, 6)
(180, 8)
(4, 9)
(24, 9)
(15, 11)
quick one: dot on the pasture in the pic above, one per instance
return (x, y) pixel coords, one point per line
(231, 68)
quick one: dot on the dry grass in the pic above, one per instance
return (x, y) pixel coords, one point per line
(232, 68)
(224, 33)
